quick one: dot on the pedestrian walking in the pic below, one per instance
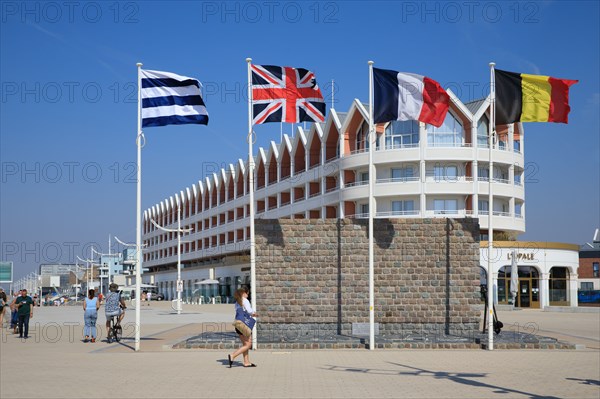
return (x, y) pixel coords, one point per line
(24, 305)
(3, 306)
(14, 316)
(148, 297)
(90, 315)
(243, 309)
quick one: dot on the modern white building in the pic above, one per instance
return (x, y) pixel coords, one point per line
(322, 172)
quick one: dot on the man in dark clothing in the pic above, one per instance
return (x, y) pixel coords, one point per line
(24, 305)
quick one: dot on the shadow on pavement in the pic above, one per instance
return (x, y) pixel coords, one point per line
(586, 382)
(459, 378)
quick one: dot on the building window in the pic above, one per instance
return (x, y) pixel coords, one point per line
(443, 207)
(558, 286)
(483, 206)
(517, 146)
(402, 174)
(445, 173)
(483, 132)
(406, 207)
(483, 173)
(364, 177)
(362, 137)
(518, 209)
(596, 269)
(587, 286)
(450, 134)
(402, 134)
(518, 179)
(528, 294)
(364, 210)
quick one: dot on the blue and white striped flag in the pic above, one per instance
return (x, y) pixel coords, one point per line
(170, 99)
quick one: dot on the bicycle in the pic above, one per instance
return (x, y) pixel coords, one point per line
(115, 330)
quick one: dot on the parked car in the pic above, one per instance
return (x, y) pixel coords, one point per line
(157, 297)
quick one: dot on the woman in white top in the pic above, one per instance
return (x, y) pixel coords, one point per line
(241, 298)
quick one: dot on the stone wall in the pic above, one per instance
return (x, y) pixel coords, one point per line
(313, 274)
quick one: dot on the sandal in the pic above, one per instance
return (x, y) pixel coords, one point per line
(251, 365)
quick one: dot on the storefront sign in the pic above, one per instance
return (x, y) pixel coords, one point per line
(521, 256)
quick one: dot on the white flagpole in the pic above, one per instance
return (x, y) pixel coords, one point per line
(371, 213)
(179, 256)
(138, 223)
(490, 274)
(109, 255)
(251, 198)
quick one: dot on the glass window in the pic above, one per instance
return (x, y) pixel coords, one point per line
(403, 207)
(596, 269)
(558, 286)
(587, 286)
(558, 272)
(450, 134)
(448, 206)
(518, 209)
(483, 173)
(399, 134)
(362, 142)
(364, 209)
(364, 176)
(502, 297)
(401, 174)
(518, 179)
(517, 145)
(482, 132)
(445, 173)
(483, 205)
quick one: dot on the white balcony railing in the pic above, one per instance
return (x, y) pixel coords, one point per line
(359, 151)
(356, 183)
(388, 214)
(449, 145)
(398, 179)
(399, 146)
(448, 179)
(495, 180)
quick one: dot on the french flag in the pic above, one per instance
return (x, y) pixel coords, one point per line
(406, 96)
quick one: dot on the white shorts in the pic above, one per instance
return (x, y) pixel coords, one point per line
(111, 314)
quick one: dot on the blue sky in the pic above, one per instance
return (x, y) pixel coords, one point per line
(68, 99)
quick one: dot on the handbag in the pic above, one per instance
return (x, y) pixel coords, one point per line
(243, 322)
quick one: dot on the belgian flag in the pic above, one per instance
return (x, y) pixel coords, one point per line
(531, 98)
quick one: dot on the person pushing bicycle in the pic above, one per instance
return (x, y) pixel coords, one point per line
(114, 305)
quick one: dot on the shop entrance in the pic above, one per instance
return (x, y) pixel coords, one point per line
(528, 295)
(524, 297)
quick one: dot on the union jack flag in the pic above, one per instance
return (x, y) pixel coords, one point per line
(284, 94)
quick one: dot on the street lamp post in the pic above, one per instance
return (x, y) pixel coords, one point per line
(179, 231)
(109, 254)
(90, 279)
(127, 261)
